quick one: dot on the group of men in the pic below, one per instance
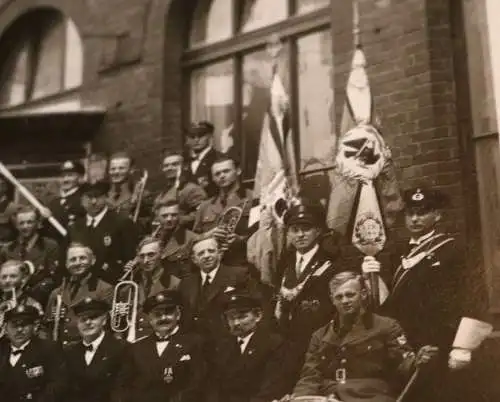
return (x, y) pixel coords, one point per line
(200, 323)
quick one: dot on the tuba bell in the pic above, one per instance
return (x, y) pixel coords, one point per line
(228, 222)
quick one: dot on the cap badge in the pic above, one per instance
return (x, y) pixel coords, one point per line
(160, 298)
(418, 196)
(88, 300)
(68, 165)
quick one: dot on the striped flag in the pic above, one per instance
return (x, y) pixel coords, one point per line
(276, 181)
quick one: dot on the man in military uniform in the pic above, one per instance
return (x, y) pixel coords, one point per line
(7, 208)
(93, 364)
(428, 290)
(250, 364)
(201, 155)
(31, 369)
(112, 237)
(67, 207)
(41, 251)
(226, 175)
(177, 187)
(151, 277)
(358, 355)
(166, 366)
(175, 239)
(77, 285)
(303, 303)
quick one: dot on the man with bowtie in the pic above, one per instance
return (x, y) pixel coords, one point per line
(31, 369)
(93, 364)
(429, 289)
(166, 366)
(250, 364)
(112, 237)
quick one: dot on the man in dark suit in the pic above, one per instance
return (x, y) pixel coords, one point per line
(166, 366)
(250, 364)
(201, 155)
(304, 271)
(112, 237)
(202, 289)
(31, 369)
(67, 207)
(430, 292)
(93, 364)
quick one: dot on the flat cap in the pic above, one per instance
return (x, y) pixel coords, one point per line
(200, 128)
(423, 198)
(22, 313)
(73, 166)
(167, 299)
(92, 307)
(100, 187)
(240, 299)
(305, 211)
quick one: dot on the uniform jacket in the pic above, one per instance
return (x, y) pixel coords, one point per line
(257, 375)
(45, 255)
(190, 195)
(372, 353)
(427, 299)
(88, 287)
(175, 376)
(203, 173)
(312, 308)
(113, 240)
(66, 210)
(39, 375)
(209, 213)
(176, 252)
(97, 381)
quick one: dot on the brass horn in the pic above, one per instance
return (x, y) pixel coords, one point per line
(124, 309)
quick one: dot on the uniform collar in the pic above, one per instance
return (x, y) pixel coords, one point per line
(98, 218)
(65, 194)
(22, 347)
(421, 239)
(167, 337)
(201, 155)
(96, 342)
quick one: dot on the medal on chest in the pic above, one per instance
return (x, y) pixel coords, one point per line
(168, 375)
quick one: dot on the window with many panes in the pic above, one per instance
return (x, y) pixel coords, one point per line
(229, 70)
(42, 56)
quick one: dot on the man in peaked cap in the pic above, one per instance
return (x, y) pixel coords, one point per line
(429, 290)
(112, 237)
(30, 368)
(67, 207)
(303, 273)
(166, 366)
(250, 364)
(93, 363)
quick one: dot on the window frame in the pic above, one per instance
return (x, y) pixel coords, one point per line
(241, 44)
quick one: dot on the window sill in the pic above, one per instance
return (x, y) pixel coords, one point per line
(49, 99)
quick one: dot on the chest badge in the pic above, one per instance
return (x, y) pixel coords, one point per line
(168, 375)
(34, 372)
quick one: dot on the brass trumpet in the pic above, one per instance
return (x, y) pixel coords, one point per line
(138, 194)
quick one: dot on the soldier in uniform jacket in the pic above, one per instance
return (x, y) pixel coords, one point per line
(429, 290)
(43, 252)
(303, 302)
(250, 364)
(67, 207)
(166, 366)
(201, 155)
(226, 175)
(112, 237)
(178, 187)
(94, 363)
(358, 355)
(78, 284)
(31, 369)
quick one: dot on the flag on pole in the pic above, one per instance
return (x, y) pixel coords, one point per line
(276, 181)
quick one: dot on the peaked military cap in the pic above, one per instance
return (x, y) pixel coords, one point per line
(200, 128)
(100, 187)
(167, 299)
(423, 198)
(22, 313)
(91, 306)
(73, 166)
(305, 211)
(240, 299)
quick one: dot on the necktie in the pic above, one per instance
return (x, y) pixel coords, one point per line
(91, 223)
(73, 290)
(298, 268)
(206, 286)
(241, 342)
(23, 249)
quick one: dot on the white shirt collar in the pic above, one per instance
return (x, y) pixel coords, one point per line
(96, 342)
(243, 342)
(98, 218)
(71, 191)
(421, 239)
(202, 154)
(22, 347)
(306, 258)
(210, 274)
(175, 330)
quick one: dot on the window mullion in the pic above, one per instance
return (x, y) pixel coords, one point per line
(238, 105)
(294, 97)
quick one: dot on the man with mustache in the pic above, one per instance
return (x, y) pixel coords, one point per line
(31, 369)
(177, 186)
(167, 366)
(78, 284)
(93, 364)
(251, 363)
(43, 252)
(430, 290)
(358, 355)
